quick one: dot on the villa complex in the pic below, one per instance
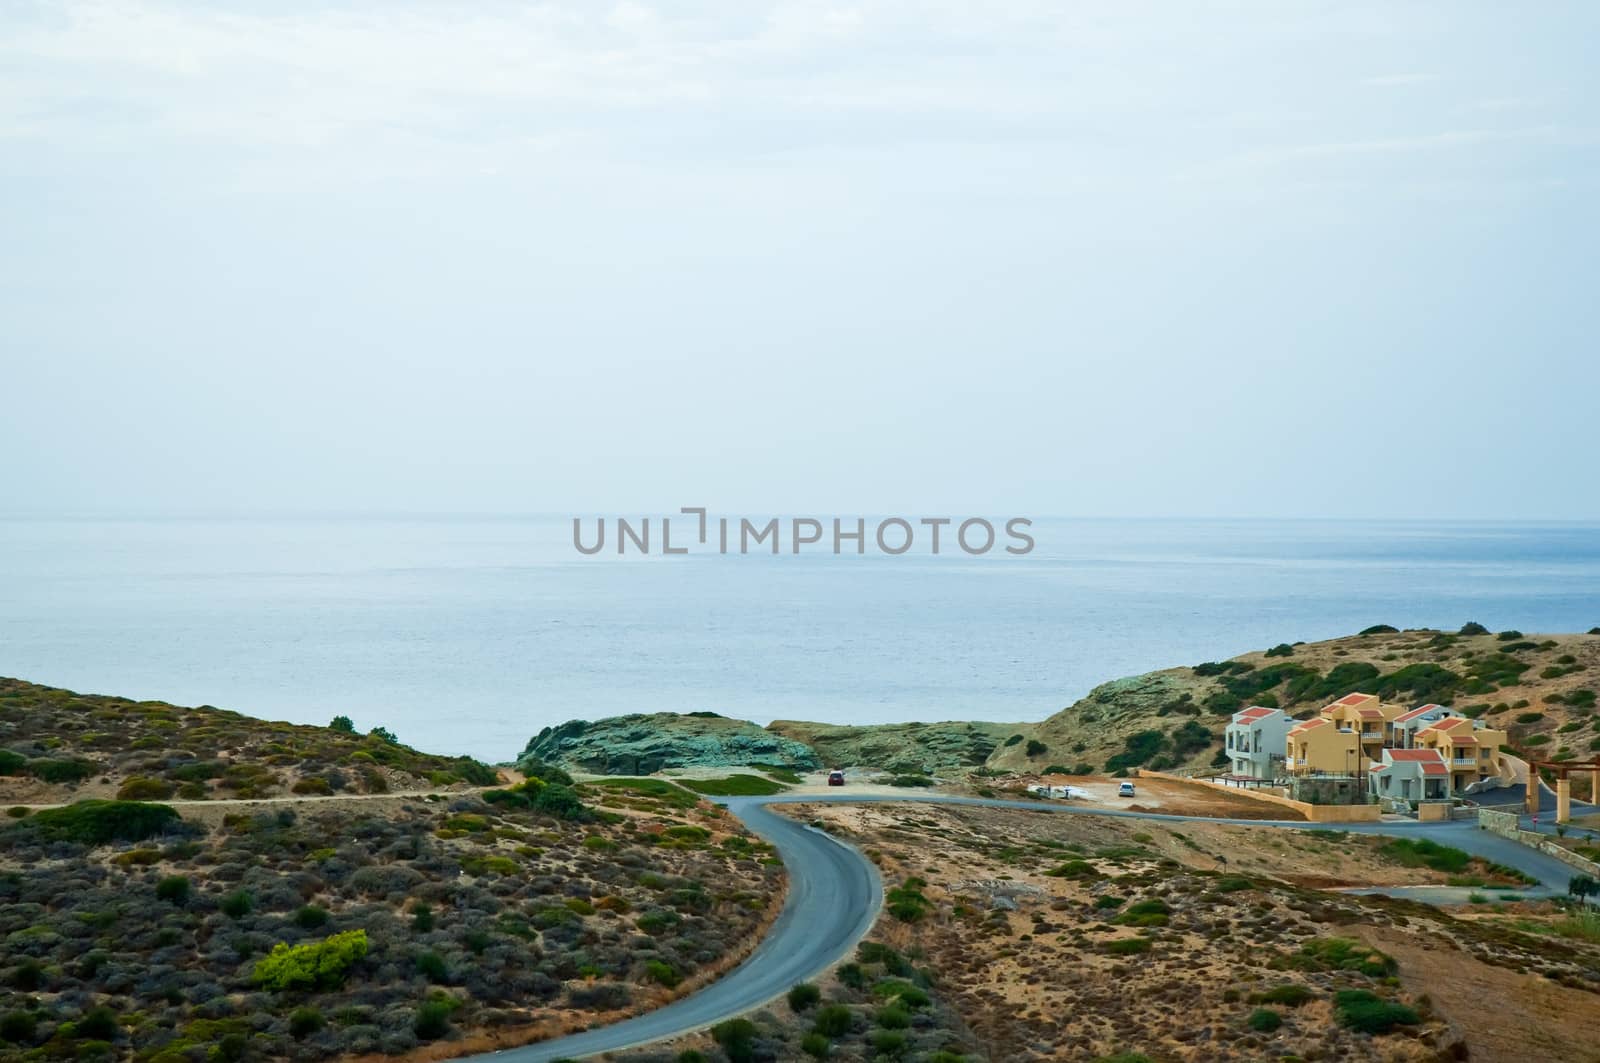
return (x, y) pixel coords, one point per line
(1430, 752)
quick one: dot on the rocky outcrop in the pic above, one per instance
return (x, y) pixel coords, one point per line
(641, 744)
(902, 748)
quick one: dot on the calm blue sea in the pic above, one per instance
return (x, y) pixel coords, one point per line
(469, 635)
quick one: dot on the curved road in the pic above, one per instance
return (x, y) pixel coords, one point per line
(835, 893)
(833, 899)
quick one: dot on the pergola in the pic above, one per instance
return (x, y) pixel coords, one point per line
(1563, 770)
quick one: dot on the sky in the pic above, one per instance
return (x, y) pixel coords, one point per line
(1262, 258)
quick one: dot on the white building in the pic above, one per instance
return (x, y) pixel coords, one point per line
(1411, 775)
(1254, 741)
(1406, 725)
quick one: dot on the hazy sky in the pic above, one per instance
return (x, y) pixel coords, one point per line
(1253, 258)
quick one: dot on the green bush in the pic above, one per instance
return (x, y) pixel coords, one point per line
(431, 966)
(173, 888)
(906, 903)
(238, 904)
(1036, 748)
(1137, 749)
(342, 724)
(311, 917)
(559, 801)
(319, 965)
(1107, 900)
(894, 1017)
(833, 1020)
(1424, 853)
(815, 1045)
(18, 1027)
(12, 762)
(1380, 629)
(60, 771)
(804, 996)
(1282, 649)
(1362, 1010)
(737, 1038)
(99, 822)
(99, 1024)
(1341, 954)
(433, 1018)
(305, 1021)
(663, 972)
(1074, 869)
(891, 1043)
(1289, 995)
(142, 789)
(1145, 913)
(912, 781)
(1472, 627)
(1264, 1020)
(1128, 946)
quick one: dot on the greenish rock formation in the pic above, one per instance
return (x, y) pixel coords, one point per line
(641, 744)
(902, 748)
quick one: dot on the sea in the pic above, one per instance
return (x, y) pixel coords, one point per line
(469, 635)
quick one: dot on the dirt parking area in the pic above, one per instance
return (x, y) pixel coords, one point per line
(1164, 795)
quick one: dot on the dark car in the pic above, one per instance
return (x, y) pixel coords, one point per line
(835, 778)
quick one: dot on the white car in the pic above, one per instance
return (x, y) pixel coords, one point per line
(1125, 790)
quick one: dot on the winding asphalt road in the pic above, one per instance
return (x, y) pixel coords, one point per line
(835, 893)
(833, 899)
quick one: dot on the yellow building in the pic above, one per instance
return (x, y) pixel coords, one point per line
(1468, 751)
(1367, 717)
(1321, 746)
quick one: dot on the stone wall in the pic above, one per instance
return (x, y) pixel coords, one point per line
(1507, 825)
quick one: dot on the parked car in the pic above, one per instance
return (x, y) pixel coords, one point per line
(1125, 790)
(835, 778)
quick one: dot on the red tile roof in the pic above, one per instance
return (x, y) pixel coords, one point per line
(1254, 712)
(1307, 725)
(1353, 699)
(1433, 769)
(1414, 713)
(1415, 755)
(1370, 714)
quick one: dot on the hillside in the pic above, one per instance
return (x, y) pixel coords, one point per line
(56, 745)
(1541, 688)
(319, 927)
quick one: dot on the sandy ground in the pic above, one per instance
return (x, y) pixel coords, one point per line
(1022, 954)
(1505, 1015)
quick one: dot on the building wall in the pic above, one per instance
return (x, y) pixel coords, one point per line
(1327, 749)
